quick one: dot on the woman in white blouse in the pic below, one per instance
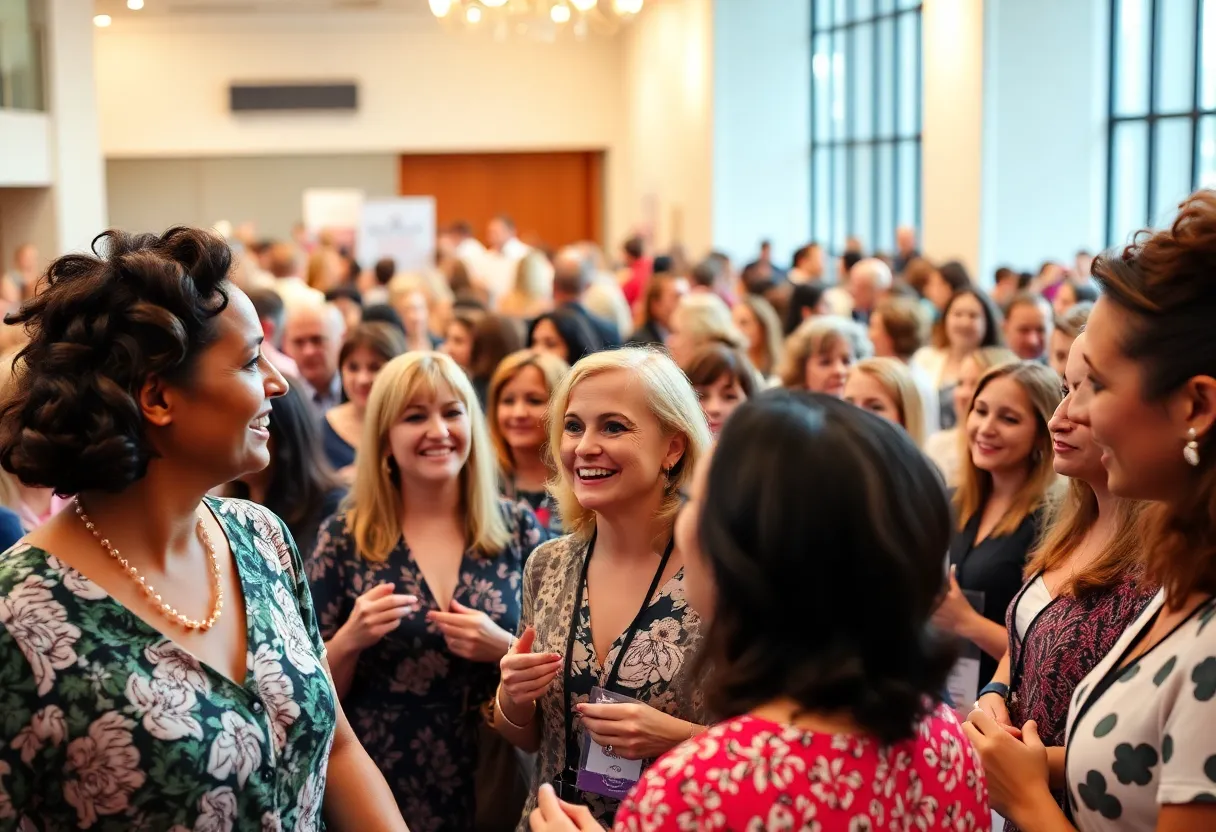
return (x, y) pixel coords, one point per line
(1141, 734)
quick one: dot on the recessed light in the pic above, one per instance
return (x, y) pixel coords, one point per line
(135, 5)
(102, 20)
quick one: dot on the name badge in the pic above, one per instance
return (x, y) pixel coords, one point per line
(600, 770)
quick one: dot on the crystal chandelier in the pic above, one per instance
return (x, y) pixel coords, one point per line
(541, 19)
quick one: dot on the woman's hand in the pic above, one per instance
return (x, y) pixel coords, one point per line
(377, 613)
(526, 675)
(471, 634)
(954, 611)
(1016, 769)
(634, 731)
(993, 704)
(553, 815)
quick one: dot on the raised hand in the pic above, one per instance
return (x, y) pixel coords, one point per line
(526, 675)
(471, 634)
(377, 612)
(634, 731)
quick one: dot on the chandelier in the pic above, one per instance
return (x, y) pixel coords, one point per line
(541, 19)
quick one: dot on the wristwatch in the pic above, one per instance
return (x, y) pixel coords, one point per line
(994, 687)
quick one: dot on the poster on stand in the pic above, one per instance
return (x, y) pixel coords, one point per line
(334, 213)
(402, 228)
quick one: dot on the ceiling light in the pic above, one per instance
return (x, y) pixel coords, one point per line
(584, 5)
(135, 5)
(559, 13)
(102, 20)
(472, 14)
(494, 4)
(440, 8)
(627, 6)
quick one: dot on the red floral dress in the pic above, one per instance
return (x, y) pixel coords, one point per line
(752, 774)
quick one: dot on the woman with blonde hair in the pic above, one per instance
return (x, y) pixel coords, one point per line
(756, 318)
(417, 583)
(626, 433)
(532, 293)
(1006, 483)
(699, 319)
(947, 447)
(819, 353)
(519, 395)
(885, 387)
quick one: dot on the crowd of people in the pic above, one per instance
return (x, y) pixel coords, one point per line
(552, 540)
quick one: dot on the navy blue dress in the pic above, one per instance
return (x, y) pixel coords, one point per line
(337, 450)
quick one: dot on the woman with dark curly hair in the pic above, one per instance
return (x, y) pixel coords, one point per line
(133, 696)
(842, 730)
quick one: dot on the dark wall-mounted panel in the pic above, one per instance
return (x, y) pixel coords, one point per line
(261, 97)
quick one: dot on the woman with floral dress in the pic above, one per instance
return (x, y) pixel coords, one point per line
(130, 699)
(626, 430)
(518, 401)
(417, 586)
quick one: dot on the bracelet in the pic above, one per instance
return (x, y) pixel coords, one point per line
(506, 718)
(994, 687)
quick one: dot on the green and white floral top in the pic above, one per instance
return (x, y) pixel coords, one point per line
(107, 725)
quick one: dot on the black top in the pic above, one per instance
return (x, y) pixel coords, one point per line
(606, 329)
(994, 567)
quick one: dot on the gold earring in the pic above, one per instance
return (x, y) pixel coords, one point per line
(1191, 452)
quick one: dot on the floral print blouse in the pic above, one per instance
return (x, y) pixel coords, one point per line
(656, 669)
(750, 773)
(415, 706)
(106, 724)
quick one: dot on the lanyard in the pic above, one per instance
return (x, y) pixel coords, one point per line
(629, 634)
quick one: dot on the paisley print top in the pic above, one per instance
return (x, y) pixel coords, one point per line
(105, 724)
(655, 670)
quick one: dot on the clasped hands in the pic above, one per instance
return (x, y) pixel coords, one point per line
(1015, 764)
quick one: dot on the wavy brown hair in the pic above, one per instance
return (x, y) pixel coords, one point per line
(1167, 282)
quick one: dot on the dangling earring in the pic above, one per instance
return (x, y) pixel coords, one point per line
(1191, 452)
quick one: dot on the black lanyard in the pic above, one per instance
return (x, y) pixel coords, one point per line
(629, 634)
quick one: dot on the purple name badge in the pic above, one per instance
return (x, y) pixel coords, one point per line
(601, 771)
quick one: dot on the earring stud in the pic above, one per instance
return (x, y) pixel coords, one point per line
(1191, 452)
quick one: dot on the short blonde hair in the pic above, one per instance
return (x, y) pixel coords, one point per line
(813, 336)
(374, 505)
(705, 317)
(671, 400)
(897, 380)
(552, 370)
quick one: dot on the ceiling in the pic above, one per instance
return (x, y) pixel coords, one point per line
(118, 8)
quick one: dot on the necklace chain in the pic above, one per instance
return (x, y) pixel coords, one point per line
(165, 609)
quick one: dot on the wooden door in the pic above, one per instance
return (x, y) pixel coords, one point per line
(554, 198)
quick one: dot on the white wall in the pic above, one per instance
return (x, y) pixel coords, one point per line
(668, 165)
(1044, 130)
(163, 89)
(25, 149)
(761, 126)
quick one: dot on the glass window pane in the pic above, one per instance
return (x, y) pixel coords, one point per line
(863, 9)
(884, 121)
(1175, 56)
(1171, 168)
(1129, 188)
(862, 81)
(909, 88)
(823, 14)
(863, 196)
(883, 6)
(822, 185)
(1208, 47)
(839, 215)
(841, 12)
(907, 4)
(884, 208)
(821, 73)
(1207, 152)
(908, 179)
(840, 66)
(1134, 28)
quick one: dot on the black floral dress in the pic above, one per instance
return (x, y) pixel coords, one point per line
(105, 724)
(414, 705)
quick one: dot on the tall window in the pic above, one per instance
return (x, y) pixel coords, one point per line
(1162, 110)
(866, 120)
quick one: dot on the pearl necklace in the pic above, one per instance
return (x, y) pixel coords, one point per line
(165, 609)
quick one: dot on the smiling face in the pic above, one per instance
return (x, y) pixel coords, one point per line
(358, 372)
(430, 443)
(720, 399)
(1001, 428)
(865, 391)
(828, 369)
(613, 448)
(546, 338)
(1076, 454)
(966, 325)
(219, 419)
(521, 410)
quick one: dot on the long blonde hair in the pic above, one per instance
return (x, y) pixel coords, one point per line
(375, 505)
(670, 398)
(705, 318)
(552, 370)
(1042, 388)
(897, 380)
(770, 325)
